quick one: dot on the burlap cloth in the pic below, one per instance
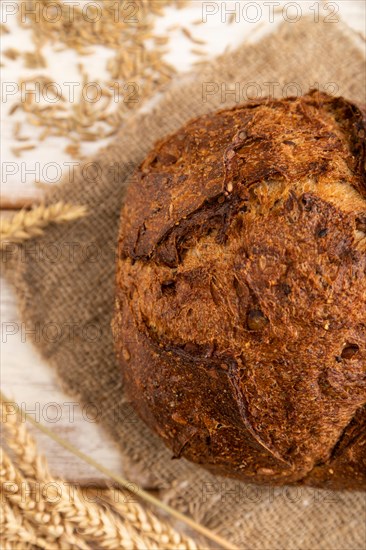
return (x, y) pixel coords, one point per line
(66, 279)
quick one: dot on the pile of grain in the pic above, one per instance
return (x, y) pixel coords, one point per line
(136, 68)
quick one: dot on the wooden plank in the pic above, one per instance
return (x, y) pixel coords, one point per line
(16, 203)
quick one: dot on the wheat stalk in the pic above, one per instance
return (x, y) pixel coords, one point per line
(28, 224)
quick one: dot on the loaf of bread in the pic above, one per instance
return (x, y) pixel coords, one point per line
(240, 319)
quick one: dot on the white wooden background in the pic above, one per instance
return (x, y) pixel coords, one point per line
(24, 377)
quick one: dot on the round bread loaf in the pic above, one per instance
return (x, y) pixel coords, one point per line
(240, 319)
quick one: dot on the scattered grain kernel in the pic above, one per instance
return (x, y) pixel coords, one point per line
(132, 60)
(188, 34)
(12, 53)
(17, 151)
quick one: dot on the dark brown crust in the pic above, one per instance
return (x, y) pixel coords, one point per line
(240, 317)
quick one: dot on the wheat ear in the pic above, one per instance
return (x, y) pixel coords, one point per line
(73, 520)
(25, 498)
(158, 531)
(23, 445)
(27, 224)
(17, 532)
(67, 521)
